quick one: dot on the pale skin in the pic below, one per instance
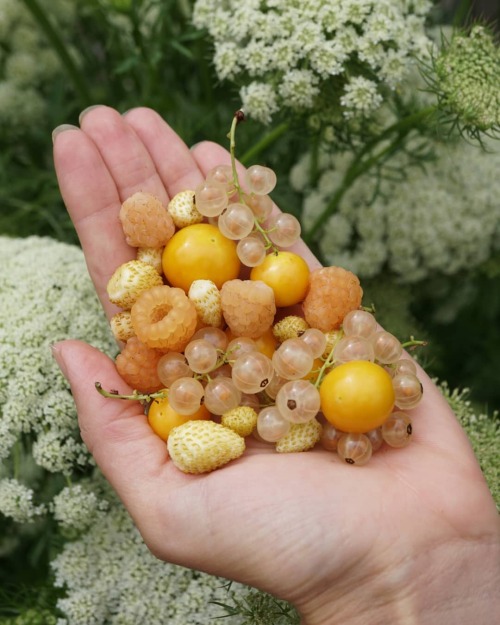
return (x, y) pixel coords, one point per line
(412, 537)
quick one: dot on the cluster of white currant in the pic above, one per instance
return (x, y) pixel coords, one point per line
(246, 216)
(284, 389)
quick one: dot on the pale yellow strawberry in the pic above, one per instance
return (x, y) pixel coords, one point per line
(121, 326)
(300, 437)
(203, 446)
(241, 420)
(183, 211)
(152, 256)
(207, 300)
(130, 280)
(290, 327)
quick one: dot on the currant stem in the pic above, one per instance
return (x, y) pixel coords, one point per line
(232, 148)
(135, 395)
(412, 343)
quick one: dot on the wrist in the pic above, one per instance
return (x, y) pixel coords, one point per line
(451, 583)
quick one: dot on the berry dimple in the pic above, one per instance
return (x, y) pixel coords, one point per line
(164, 318)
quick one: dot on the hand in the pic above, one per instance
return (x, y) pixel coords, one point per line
(411, 537)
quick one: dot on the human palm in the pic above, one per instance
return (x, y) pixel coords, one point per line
(305, 527)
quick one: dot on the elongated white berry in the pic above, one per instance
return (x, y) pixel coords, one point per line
(207, 300)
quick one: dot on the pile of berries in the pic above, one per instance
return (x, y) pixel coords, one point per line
(217, 358)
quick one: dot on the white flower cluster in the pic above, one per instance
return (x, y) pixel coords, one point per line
(46, 296)
(27, 62)
(443, 218)
(76, 507)
(16, 501)
(111, 578)
(305, 55)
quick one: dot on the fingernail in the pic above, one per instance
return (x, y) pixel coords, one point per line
(194, 145)
(87, 110)
(58, 129)
(129, 111)
(55, 348)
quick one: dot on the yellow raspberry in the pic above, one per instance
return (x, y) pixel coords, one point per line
(121, 326)
(145, 221)
(183, 211)
(241, 420)
(248, 307)
(130, 280)
(333, 292)
(300, 437)
(290, 327)
(207, 300)
(164, 318)
(137, 364)
(152, 256)
(202, 446)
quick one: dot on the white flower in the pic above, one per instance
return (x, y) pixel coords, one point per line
(16, 501)
(441, 219)
(360, 96)
(334, 43)
(259, 101)
(76, 507)
(299, 88)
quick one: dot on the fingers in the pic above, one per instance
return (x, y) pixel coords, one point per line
(123, 152)
(92, 200)
(172, 158)
(116, 432)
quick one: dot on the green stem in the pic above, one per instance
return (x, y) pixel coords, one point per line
(264, 143)
(232, 151)
(360, 165)
(78, 79)
(135, 395)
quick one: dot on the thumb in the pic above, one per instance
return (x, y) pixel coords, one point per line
(115, 431)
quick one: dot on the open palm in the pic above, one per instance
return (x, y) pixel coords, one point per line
(305, 526)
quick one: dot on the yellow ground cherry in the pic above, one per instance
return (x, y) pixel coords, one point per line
(162, 417)
(357, 396)
(287, 274)
(267, 343)
(200, 252)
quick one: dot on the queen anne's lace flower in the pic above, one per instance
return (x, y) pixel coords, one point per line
(284, 55)
(444, 218)
(16, 501)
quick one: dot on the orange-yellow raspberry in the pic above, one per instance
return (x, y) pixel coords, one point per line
(248, 307)
(145, 221)
(137, 364)
(129, 280)
(164, 318)
(333, 292)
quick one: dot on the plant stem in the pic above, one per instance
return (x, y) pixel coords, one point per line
(265, 142)
(360, 165)
(77, 78)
